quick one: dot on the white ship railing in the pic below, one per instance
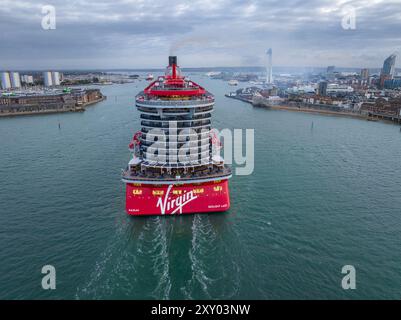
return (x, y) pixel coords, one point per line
(174, 104)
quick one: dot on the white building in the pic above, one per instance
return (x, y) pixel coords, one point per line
(337, 88)
(5, 80)
(27, 79)
(56, 78)
(47, 78)
(51, 78)
(301, 88)
(15, 80)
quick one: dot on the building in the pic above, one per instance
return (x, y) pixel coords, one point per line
(47, 79)
(15, 80)
(385, 108)
(365, 74)
(389, 67)
(51, 78)
(322, 88)
(392, 84)
(335, 88)
(10, 80)
(27, 79)
(5, 80)
(330, 69)
(48, 101)
(55, 78)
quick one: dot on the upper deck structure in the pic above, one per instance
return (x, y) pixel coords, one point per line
(175, 139)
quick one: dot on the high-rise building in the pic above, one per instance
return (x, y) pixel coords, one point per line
(55, 78)
(15, 80)
(51, 78)
(47, 78)
(5, 80)
(389, 67)
(330, 69)
(269, 68)
(322, 88)
(365, 74)
(392, 83)
(27, 79)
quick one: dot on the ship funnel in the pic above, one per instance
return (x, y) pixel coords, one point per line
(172, 60)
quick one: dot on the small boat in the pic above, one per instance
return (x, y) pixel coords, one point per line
(149, 77)
(233, 82)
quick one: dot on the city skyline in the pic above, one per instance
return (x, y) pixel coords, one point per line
(122, 34)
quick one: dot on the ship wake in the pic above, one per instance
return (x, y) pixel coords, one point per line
(136, 263)
(137, 257)
(215, 272)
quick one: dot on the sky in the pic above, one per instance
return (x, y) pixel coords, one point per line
(107, 34)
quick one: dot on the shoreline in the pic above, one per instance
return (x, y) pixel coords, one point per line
(315, 111)
(80, 108)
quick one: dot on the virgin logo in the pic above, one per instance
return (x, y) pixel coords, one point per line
(174, 205)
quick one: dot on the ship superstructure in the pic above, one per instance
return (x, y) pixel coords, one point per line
(176, 167)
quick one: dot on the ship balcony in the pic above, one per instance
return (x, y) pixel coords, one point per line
(180, 124)
(164, 161)
(198, 133)
(158, 103)
(187, 173)
(185, 112)
(194, 141)
(181, 130)
(148, 110)
(177, 118)
(175, 149)
(175, 111)
(166, 155)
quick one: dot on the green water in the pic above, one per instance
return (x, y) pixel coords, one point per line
(319, 198)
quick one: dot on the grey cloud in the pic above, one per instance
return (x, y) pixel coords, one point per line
(136, 33)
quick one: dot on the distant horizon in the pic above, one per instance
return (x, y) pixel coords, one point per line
(217, 68)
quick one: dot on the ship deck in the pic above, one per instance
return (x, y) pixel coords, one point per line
(147, 177)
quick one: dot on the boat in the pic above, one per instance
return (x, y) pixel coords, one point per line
(257, 83)
(213, 73)
(149, 77)
(233, 82)
(175, 166)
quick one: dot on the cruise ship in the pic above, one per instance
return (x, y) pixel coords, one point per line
(176, 167)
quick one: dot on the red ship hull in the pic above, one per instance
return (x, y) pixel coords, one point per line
(145, 199)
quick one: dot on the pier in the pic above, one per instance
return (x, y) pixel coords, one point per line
(385, 116)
